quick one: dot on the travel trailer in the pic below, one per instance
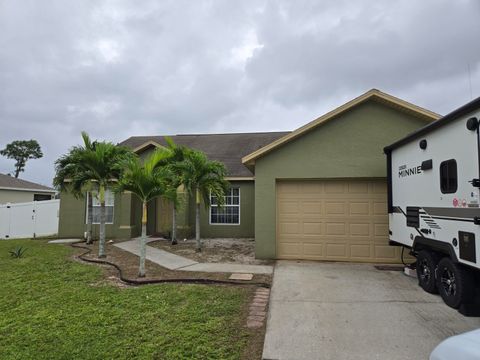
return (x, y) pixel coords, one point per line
(433, 203)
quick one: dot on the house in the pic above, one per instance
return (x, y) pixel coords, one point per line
(13, 190)
(316, 193)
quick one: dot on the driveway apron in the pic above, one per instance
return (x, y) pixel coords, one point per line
(353, 311)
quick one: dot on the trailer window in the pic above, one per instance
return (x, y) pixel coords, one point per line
(448, 176)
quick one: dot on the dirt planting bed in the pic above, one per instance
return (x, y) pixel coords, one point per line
(236, 251)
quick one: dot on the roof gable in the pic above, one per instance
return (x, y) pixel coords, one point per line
(371, 95)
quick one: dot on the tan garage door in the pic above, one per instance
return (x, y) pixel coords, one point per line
(339, 220)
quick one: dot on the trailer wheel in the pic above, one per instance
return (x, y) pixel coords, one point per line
(426, 265)
(454, 283)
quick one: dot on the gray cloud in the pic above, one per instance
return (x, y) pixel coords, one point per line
(118, 68)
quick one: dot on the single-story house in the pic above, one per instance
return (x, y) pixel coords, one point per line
(13, 190)
(318, 192)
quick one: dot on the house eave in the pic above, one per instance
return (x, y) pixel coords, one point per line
(29, 190)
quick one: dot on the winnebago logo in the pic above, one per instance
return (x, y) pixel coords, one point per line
(403, 171)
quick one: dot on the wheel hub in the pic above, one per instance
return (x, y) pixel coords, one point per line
(425, 271)
(448, 282)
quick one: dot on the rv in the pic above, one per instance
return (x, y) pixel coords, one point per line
(433, 203)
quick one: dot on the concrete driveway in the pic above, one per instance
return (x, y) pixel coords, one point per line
(353, 311)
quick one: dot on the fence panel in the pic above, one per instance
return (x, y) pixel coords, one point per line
(4, 221)
(46, 217)
(29, 220)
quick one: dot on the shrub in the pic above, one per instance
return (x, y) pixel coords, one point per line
(18, 252)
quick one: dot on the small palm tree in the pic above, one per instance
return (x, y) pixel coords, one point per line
(174, 180)
(202, 178)
(147, 181)
(95, 166)
(66, 168)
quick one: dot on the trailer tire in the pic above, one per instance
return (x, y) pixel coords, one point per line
(454, 283)
(427, 262)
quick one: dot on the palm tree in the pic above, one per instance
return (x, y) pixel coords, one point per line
(202, 178)
(174, 180)
(98, 168)
(146, 180)
(66, 168)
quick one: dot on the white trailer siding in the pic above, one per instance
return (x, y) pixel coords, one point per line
(443, 215)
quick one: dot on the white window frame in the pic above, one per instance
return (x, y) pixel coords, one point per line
(112, 197)
(224, 206)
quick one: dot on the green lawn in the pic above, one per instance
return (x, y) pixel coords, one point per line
(54, 308)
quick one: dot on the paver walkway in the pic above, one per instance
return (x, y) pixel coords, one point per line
(176, 262)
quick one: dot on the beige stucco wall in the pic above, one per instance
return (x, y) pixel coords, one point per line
(17, 196)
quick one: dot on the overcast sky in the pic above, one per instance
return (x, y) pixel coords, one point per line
(122, 68)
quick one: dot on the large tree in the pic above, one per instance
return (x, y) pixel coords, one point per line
(202, 177)
(147, 180)
(21, 151)
(99, 169)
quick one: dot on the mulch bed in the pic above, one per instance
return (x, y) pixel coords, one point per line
(129, 265)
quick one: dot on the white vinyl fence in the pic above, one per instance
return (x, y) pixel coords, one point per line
(29, 220)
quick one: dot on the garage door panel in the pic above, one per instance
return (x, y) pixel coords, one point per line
(344, 220)
(290, 249)
(359, 230)
(332, 228)
(289, 228)
(312, 228)
(336, 250)
(358, 187)
(386, 252)
(381, 230)
(379, 208)
(288, 207)
(311, 187)
(333, 187)
(380, 187)
(313, 249)
(312, 207)
(359, 208)
(334, 208)
(361, 251)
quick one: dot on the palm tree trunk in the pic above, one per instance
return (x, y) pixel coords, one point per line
(90, 217)
(101, 244)
(174, 225)
(197, 221)
(143, 242)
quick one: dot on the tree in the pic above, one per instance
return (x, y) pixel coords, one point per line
(174, 180)
(202, 178)
(66, 169)
(97, 169)
(147, 181)
(22, 151)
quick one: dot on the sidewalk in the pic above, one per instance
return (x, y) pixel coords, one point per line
(175, 262)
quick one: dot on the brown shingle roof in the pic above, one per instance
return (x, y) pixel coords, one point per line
(12, 183)
(227, 148)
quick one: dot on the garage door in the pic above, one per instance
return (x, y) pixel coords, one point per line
(338, 220)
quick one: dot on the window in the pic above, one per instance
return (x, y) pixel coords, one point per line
(109, 203)
(448, 176)
(229, 213)
(42, 197)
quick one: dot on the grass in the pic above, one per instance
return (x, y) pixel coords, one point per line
(52, 307)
